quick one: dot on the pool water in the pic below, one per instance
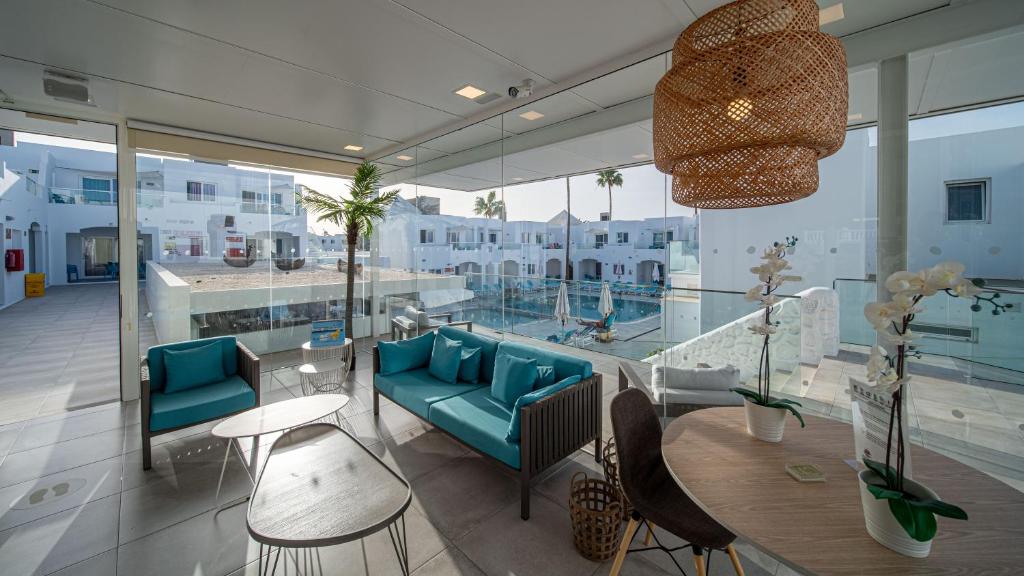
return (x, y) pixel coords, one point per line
(526, 309)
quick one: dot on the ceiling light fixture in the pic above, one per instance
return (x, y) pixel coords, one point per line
(517, 178)
(470, 91)
(640, 156)
(745, 132)
(353, 148)
(403, 157)
(853, 117)
(531, 115)
(831, 14)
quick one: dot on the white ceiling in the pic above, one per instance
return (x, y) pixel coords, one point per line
(322, 74)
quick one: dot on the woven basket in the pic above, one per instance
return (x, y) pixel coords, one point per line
(610, 461)
(596, 514)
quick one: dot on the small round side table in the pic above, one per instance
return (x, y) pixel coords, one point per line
(317, 377)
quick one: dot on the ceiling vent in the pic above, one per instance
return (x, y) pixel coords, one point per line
(67, 87)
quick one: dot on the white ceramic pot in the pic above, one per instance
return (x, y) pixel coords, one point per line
(765, 423)
(882, 525)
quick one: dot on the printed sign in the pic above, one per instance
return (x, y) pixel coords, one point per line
(871, 411)
(327, 333)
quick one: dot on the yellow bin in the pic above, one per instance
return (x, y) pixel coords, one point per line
(35, 285)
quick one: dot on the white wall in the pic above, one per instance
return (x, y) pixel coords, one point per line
(23, 208)
(169, 303)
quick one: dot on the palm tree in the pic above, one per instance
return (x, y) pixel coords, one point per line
(489, 206)
(355, 215)
(609, 178)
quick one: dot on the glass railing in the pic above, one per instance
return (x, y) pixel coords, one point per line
(949, 327)
(684, 257)
(79, 196)
(264, 208)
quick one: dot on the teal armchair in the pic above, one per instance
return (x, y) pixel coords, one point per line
(192, 382)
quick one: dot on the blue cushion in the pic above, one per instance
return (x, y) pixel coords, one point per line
(526, 399)
(478, 420)
(155, 358)
(416, 390)
(445, 359)
(545, 377)
(564, 364)
(405, 355)
(469, 368)
(488, 348)
(192, 367)
(513, 377)
(200, 404)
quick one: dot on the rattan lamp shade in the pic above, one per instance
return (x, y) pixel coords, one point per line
(755, 97)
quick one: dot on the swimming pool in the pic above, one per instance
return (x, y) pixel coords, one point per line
(533, 308)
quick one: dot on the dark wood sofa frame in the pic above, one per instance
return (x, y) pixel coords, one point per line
(552, 429)
(248, 369)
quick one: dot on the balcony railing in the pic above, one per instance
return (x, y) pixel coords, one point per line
(80, 196)
(264, 208)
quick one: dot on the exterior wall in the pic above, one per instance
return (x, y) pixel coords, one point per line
(24, 208)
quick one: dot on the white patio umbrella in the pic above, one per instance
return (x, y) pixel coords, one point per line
(655, 275)
(604, 305)
(562, 304)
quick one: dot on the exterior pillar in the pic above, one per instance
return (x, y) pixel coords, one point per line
(893, 125)
(128, 258)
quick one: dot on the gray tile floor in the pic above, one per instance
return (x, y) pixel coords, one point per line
(60, 352)
(76, 501)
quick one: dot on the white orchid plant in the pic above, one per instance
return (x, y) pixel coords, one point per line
(888, 373)
(771, 274)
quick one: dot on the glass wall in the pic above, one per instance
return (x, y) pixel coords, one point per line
(58, 288)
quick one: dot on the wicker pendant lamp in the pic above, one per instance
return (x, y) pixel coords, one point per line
(756, 95)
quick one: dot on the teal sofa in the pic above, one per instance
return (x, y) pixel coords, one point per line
(551, 428)
(231, 385)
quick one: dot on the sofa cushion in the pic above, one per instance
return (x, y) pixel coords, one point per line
(155, 358)
(445, 359)
(545, 377)
(200, 404)
(405, 355)
(478, 420)
(192, 367)
(564, 364)
(488, 348)
(469, 368)
(416, 390)
(720, 379)
(514, 432)
(513, 377)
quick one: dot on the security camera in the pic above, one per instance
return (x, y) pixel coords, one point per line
(524, 90)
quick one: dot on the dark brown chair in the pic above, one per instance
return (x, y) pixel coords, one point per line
(654, 494)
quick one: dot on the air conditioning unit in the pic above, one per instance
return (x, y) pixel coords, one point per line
(67, 87)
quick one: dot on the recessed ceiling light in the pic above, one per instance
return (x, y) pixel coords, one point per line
(852, 117)
(639, 156)
(403, 157)
(470, 91)
(531, 115)
(831, 14)
(353, 148)
(517, 178)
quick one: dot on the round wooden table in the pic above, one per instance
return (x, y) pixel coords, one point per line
(818, 528)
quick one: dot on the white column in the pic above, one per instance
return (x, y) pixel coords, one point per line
(893, 123)
(127, 223)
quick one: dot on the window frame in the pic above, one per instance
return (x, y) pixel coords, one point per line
(986, 200)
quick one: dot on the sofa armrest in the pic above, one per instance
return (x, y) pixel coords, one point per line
(557, 426)
(376, 360)
(249, 368)
(447, 316)
(144, 392)
(627, 376)
(467, 324)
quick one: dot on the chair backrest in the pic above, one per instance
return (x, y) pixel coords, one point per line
(609, 320)
(155, 358)
(637, 443)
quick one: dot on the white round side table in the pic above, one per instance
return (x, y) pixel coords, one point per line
(317, 378)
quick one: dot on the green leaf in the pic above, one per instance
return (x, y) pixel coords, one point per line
(941, 508)
(919, 523)
(751, 394)
(887, 474)
(883, 493)
(786, 401)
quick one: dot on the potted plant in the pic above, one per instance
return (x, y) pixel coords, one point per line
(766, 416)
(356, 215)
(899, 513)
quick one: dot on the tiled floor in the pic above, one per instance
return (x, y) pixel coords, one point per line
(60, 352)
(80, 503)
